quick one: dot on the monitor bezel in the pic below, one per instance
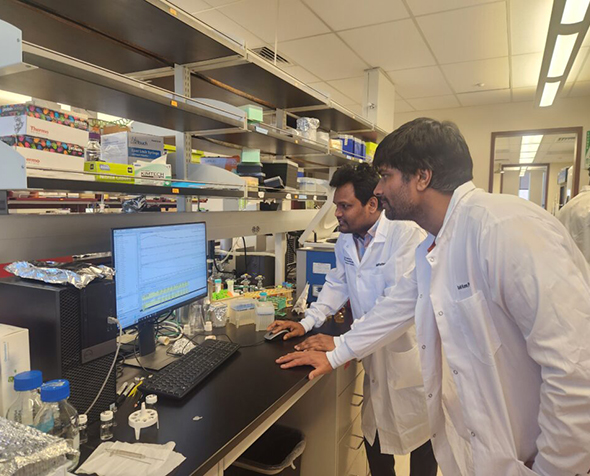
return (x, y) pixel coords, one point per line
(170, 308)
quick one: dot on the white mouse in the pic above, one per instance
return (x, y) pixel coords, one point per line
(269, 336)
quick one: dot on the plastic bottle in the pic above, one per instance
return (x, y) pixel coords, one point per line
(106, 425)
(82, 428)
(263, 297)
(92, 153)
(58, 418)
(218, 285)
(28, 401)
(150, 402)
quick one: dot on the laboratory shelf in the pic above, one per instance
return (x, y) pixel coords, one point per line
(56, 77)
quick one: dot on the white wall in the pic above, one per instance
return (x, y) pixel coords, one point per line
(477, 124)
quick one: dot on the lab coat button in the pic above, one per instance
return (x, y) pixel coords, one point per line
(473, 434)
(430, 395)
(423, 347)
(431, 260)
(440, 313)
(434, 436)
(455, 372)
(420, 296)
(372, 380)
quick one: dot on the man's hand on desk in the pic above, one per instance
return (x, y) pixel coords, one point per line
(295, 329)
(320, 342)
(317, 360)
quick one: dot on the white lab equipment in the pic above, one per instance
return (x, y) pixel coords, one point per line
(143, 418)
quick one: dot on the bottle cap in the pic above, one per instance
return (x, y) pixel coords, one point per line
(107, 415)
(82, 419)
(263, 294)
(28, 380)
(218, 281)
(208, 326)
(151, 399)
(55, 390)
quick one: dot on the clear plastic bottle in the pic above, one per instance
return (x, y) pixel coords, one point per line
(58, 418)
(263, 297)
(92, 153)
(83, 428)
(106, 425)
(28, 401)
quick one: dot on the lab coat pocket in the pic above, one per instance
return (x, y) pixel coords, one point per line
(478, 328)
(403, 369)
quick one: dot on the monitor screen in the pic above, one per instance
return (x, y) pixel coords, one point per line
(158, 268)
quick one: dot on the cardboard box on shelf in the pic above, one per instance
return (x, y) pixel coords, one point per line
(32, 126)
(227, 163)
(66, 167)
(63, 118)
(157, 172)
(14, 345)
(127, 147)
(48, 145)
(110, 172)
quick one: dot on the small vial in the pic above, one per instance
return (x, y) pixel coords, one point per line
(106, 425)
(150, 402)
(82, 428)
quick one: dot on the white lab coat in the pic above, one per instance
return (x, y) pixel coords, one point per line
(394, 402)
(575, 216)
(503, 326)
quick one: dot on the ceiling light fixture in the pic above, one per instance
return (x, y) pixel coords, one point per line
(529, 147)
(568, 26)
(574, 11)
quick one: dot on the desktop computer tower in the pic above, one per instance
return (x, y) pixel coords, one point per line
(69, 336)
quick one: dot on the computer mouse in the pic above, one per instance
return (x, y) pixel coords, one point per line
(270, 337)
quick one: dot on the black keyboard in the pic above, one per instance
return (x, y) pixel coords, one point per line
(184, 374)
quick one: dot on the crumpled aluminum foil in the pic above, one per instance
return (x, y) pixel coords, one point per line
(305, 124)
(133, 205)
(27, 451)
(79, 275)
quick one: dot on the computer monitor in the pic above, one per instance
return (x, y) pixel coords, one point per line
(157, 269)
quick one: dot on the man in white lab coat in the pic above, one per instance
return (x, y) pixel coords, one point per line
(575, 216)
(372, 254)
(502, 315)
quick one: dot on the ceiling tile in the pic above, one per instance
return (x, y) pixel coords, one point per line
(464, 77)
(402, 106)
(484, 97)
(333, 93)
(354, 88)
(581, 68)
(581, 88)
(424, 7)
(420, 82)
(229, 27)
(260, 17)
(391, 46)
(526, 70)
(325, 56)
(529, 24)
(523, 94)
(301, 74)
(191, 6)
(467, 34)
(437, 102)
(346, 14)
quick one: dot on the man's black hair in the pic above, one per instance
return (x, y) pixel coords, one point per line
(427, 144)
(363, 178)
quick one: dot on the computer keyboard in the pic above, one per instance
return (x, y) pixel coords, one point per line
(181, 376)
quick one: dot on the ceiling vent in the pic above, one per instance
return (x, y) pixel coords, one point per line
(566, 139)
(269, 55)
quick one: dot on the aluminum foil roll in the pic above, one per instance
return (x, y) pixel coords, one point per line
(25, 451)
(305, 124)
(79, 275)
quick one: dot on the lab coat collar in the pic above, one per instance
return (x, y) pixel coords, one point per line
(382, 229)
(460, 192)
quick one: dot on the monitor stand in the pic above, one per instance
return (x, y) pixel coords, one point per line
(150, 356)
(157, 360)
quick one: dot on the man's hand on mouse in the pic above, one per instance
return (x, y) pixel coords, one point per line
(320, 342)
(295, 329)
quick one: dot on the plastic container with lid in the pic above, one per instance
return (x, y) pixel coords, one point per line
(242, 311)
(265, 315)
(58, 418)
(28, 401)
(82, 428)
(150, 401)
(106, 425)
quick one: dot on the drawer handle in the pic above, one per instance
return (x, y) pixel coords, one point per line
(359, 403)
(357, 447)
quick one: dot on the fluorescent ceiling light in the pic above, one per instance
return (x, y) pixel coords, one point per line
(549, 93)
(529, 146)
(536, 139)
(574, 11)
(528, 160)
(564, 45)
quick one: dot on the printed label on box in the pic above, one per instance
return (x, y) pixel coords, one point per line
(321, 268)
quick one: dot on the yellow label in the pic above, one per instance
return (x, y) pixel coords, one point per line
(173, 12)
(174, 103)
(175, 190)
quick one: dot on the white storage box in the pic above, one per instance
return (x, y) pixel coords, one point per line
(127, 147)
(242, 311)
(41, 159)
(32, 126)
(14, 359)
